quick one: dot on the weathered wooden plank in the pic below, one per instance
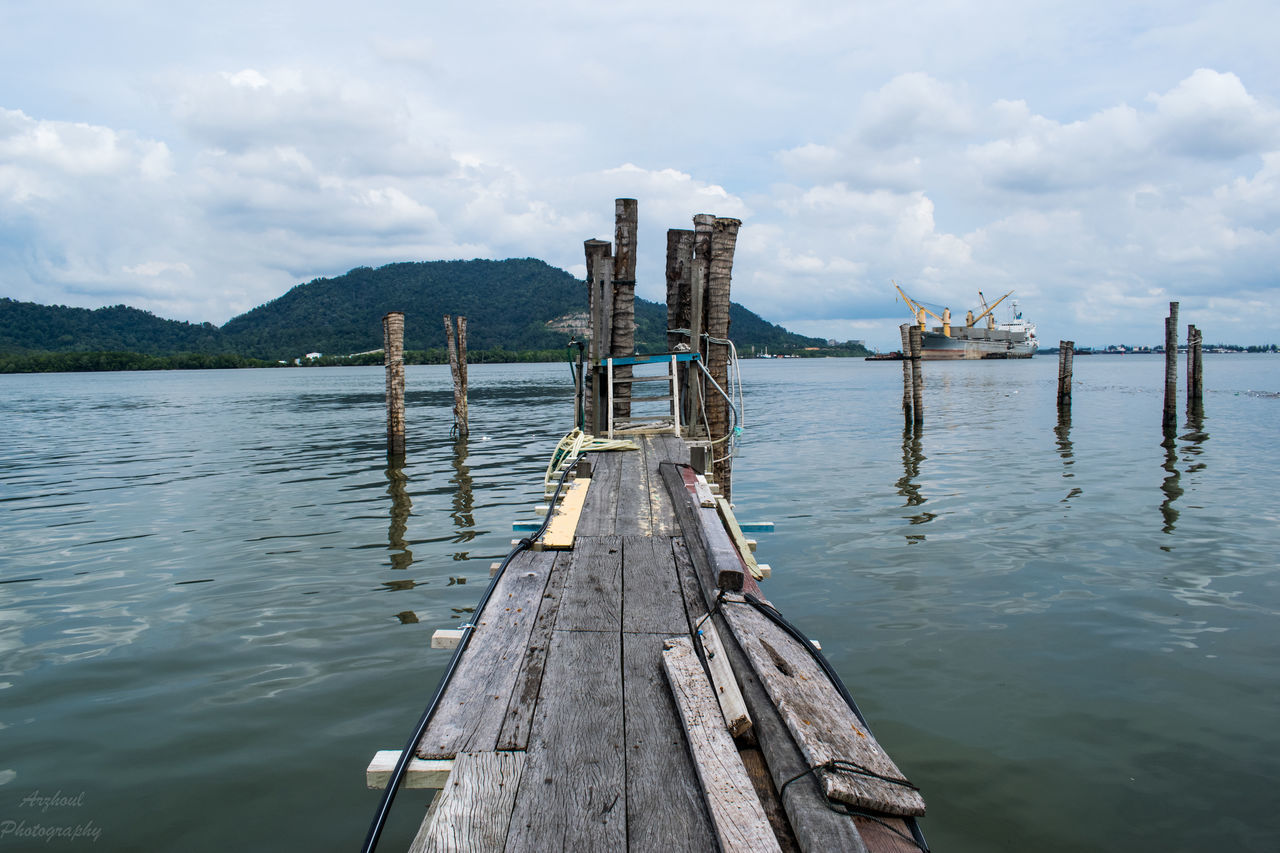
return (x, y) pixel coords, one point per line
(723, 683)
(815, 825)
(822, 724)
(592, 599)
(738, 816)
(564, 523)
(753, 760)
(665, 809)
(651, 601)
(473, 812)
(514, 733)
(572, 795)
(419, 773)
(601, 506)
(633, 516)
(658, 449)
(888, 835)
(471, 711)
(740, 542)
(695, 603)
(708, 543)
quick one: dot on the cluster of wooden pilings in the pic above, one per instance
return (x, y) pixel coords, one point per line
(1195, 375)
(699, 267)
(393, 361)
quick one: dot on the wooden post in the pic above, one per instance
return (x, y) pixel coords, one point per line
(598, 285)
(1171, 368)
(1066, 351)
(1195, 388)
(724, 238)
(702, 225)
(458, 367)
(905, 332)
(679, 278)
(917, 378)
(393, 359)
(624, 301)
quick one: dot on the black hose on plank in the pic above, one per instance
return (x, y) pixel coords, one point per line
(406, 754)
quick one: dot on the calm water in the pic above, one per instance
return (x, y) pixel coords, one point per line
(217, 599)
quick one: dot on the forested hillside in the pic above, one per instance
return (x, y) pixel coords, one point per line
(508, 305)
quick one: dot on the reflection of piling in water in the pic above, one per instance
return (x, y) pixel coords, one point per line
(1066, 352)
(1171, 368)
(912, 455)
(1171, 484)
(393, 358)
(458, 367)
(401, 505)
(917, 377)
(463, 512)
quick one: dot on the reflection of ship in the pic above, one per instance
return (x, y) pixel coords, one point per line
(1013, 339)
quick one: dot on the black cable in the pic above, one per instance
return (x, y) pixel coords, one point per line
(406, 754)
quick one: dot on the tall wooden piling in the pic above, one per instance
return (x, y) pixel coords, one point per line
(1066, 352)
(905, 331)
(393, 359)
(917, 377)
(1171, 367)
(724, 239)
(458, 367)
(624, 301)
(679, 279)
(1195, 387)
(600, 305)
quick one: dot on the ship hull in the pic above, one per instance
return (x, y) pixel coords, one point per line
(975, 344)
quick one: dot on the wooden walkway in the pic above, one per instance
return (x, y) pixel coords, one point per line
(566, 727)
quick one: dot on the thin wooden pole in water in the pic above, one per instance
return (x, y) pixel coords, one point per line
(626, 214)
(1066, 352)
(458, 367)
(917, 377)
(393, 359)
(905, 331)
(1171, 367)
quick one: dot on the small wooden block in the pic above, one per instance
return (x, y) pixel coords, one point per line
(816, 645)
(493, 568)
(446, 638)
(541, 509)
(419, 774)
(766, 571)
(756, 526)
(751, 543)
(703, 492)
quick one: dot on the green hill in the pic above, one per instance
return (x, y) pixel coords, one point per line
(508, 305)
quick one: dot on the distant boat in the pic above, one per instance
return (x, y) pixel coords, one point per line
(1013, 339)
(884, 356)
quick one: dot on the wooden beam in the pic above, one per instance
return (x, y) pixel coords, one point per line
(745, 551)
(739, 818)
(821, 723)
(709, 544)
(419, 774)
(729, 697)
(563, 524)
(473, 810)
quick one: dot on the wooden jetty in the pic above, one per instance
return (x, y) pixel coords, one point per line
(628, 686)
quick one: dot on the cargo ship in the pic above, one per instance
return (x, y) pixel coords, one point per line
(1013, 339)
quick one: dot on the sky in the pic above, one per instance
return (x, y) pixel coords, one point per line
(1100, 159)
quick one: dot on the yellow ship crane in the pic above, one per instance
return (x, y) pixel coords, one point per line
(920, 311)
(991, 320)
